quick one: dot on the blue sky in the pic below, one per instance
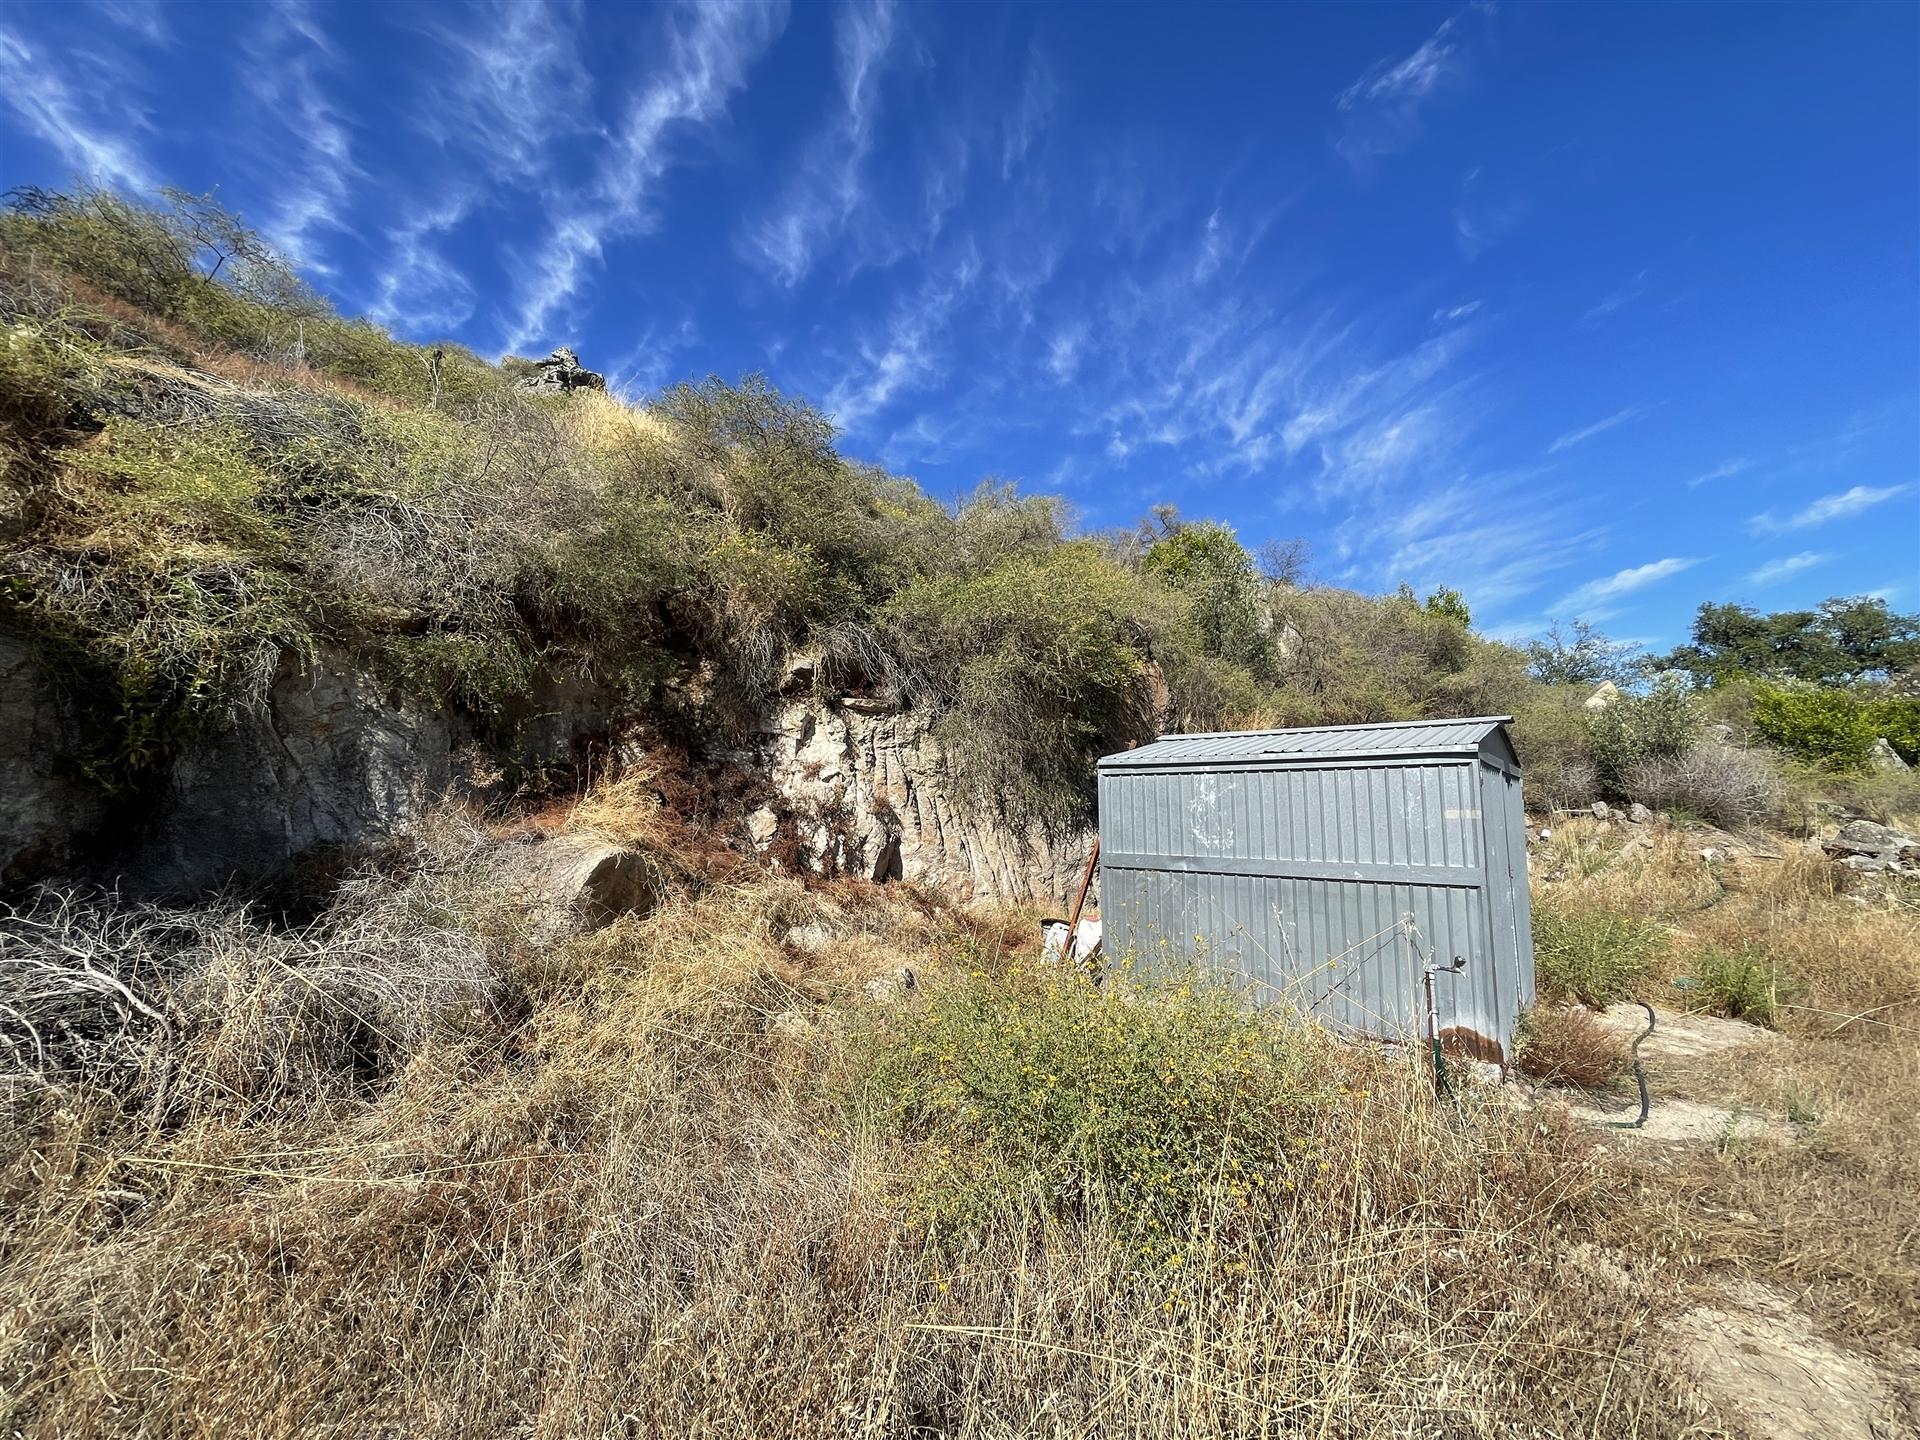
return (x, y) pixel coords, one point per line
(1597, 311)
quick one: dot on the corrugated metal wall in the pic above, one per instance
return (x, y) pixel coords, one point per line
(1297, 876)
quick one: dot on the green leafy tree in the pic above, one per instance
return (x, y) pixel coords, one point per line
(1842, 641)
(1450, 604)
(1206, 565)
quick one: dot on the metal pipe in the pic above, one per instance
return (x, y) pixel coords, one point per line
(1072, 943)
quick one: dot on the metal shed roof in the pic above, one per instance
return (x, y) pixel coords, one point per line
(1331, 742)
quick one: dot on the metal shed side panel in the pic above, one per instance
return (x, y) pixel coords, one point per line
(1295, 879)
(1333, 951)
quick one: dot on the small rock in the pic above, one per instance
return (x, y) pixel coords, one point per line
(800, 672)
(811, 938)
(1866, 864)
(1885, 759)
(1866, 838)
(762, 826)
(1601, 810)
(1639, 814)
(886, 989)
(1712, 855)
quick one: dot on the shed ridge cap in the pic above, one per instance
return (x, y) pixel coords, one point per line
(1322, 729)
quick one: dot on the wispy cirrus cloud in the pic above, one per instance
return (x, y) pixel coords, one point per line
(36, 87)
(708, 52)
(1619, 297)
(1622, 583)
(907, 355)
(1599, 427)
(1774, 571)
(830, 188)
(1381, 112)
(1030, 113)
(1841, 506)
(418, 290)
(286, 53)
(516, 86)
(1724, 471)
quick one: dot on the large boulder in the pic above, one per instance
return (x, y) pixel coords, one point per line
(1867, 847)
(562, 372)
(1885, 759)
(568, 884)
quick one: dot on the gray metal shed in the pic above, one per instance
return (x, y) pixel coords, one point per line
(1324, 866)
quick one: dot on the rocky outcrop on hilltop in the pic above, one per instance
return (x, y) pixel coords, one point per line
(562, 372)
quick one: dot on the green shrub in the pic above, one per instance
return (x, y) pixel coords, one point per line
(1208, 568)
(1143, 1100)
(1745, 984)
(1551, 736)
(1590, 955)
(1034, 667)
(1662, 724)
(1822, 726)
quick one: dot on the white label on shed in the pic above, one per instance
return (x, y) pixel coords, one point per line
(1463, 814)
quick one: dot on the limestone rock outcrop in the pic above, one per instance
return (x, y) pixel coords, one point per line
(863, 789)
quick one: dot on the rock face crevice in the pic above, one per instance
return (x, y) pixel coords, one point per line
(865, 790)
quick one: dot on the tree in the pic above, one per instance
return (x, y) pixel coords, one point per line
(1207, 565)
(1450, 604)
(1844, 641)
(1580, 655)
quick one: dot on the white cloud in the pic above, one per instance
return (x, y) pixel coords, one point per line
(144, 18)
(1447, 315)
(419, 291)
(908, 357)
(1483, 212)
(708, 51)
(1622, 582)
(1720, 472)
(32, 83)
(831, 188)
(1775, 571)
(1381, 111)
(284, 55)
(1030, 113)
(1063, 351)
(1619, 298)
(1599, 427)
(516, 85)
(1842, 506)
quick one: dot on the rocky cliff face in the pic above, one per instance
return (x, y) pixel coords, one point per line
(335, 758)
(864, 790)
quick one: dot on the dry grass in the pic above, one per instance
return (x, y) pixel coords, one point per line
(1566, 1045)
(632, 1193)
(1830, 1217)
(633, 1184)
